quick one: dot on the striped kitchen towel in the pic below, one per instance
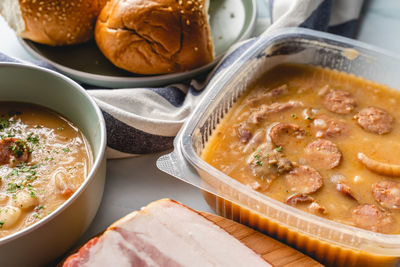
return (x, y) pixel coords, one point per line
(146, 120)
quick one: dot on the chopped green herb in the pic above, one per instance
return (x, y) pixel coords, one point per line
(1, 224)
(294, 116)
(38, 127)
(308, 118)
(37, 165)
(257, 156)
(61, 128)
(259, 163)
(33, 139)
(4, 124)
(12, 187)
(66, 150)
(279, 149)
(18, 148)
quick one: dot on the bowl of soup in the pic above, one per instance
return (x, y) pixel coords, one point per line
(298, 138)
(52, 164)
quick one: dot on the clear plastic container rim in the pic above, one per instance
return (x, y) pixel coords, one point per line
(183, 139)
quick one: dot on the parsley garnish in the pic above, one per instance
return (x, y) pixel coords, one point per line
(279, 149)
(4, 124)
(33, 139)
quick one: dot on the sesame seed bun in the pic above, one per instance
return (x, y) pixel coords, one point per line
(55, 22)
(155, 36)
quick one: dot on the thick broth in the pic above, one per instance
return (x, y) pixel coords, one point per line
(241, 145)
(44, 158)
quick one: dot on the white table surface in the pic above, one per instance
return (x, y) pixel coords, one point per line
(133, 183)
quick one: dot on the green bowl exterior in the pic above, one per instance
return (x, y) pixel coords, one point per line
(55, 234)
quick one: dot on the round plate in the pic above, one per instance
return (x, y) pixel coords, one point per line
(230, 20)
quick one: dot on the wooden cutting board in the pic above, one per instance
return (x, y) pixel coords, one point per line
(270, 249)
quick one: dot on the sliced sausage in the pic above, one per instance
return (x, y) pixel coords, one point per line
(244, 133)
(281, 133)
(323, 154)
(324, 126)
(387, 194)
(298, 198)
(344, 189)
(264, 110)
(371, 218)
(338, 101)
(13, 151)
(375, 120)
(304, 180)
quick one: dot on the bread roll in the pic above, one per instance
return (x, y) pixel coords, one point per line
(52, 22)
(155, 36)
(165, 233)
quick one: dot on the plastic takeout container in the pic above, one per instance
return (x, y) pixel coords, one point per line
(330, 242)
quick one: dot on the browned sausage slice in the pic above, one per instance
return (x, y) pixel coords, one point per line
(338, 101)
(298, 198)
(13, 151)
(323, 154)
(324, 126)
(303, 180)
(371, 218)
(281, 133)
(344, 189)
(244, 133)
(375, 120)
(387, 194)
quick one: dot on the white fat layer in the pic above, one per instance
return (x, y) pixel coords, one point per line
(109, 253)
(178, 233)
(11, 11)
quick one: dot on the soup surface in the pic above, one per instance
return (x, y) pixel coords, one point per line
(44, 158)
(320, 140)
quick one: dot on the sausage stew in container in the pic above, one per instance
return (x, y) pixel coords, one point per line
(331, 241)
